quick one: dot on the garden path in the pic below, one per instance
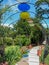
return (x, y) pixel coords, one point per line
(33, 58)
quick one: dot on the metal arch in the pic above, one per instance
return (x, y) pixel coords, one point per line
(47, 28)
(46, 45)
(9, 17)
(1, 1)
(12, 22)
(46, 24)
(17, 20)
(17, 12)
(20, 12)
(14, 14)
(31, 4)
(16, 4)
(32, 12)
(43, 29)
(35, 14)
(43, 4)
(23, 1)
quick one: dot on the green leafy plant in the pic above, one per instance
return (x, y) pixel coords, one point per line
(22, 40)
(8, 40)
(12, 54)
(1, 59)
(46, 59)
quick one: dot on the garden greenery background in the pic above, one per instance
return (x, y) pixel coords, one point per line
(12, 39)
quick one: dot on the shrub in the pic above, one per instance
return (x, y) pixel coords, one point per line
(12, 54)
(1, 40)
(8, 40)
(22, 40)
(47, 60)
(1, 59)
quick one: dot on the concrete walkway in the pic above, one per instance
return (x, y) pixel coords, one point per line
(33, 59)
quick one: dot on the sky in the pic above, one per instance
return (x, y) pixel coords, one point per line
(15, 9)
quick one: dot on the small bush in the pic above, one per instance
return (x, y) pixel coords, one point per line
(22, 40)
(1, 40)
(8, 40)
(1, 59)
(12, 54)
(47, 60)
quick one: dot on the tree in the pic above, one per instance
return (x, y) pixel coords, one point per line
(42, 12)
(37, 36)
(35, 32)
(22, 27)
(22, 40)
(1, 1)
(2, 30)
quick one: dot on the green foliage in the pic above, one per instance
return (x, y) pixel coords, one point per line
(4, 9)
(22, 27)
(22, 40)
(42, 11)
(1, 40)
(12, 54)
(47, 31)
(1, 31)
(5, 31)
(39, 2)
(41, 57)
(46, 59)
(21, 32)
(1, 59)
(36, 34)
(8, 40)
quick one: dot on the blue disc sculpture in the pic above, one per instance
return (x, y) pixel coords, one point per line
(23, 7)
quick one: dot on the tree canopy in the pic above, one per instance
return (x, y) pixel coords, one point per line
(41, 10)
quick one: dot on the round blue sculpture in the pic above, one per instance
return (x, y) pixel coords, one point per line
(23, 7)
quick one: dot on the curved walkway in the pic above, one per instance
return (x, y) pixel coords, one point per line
(33, 58)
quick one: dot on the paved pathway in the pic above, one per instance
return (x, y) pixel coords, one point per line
(33, 59)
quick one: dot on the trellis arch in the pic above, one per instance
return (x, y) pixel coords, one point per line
(19, 12)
